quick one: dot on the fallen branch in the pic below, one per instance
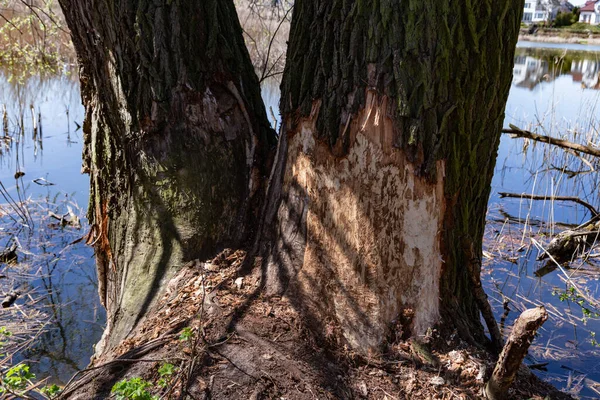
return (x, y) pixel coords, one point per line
(567, 277)
(551, 198)
(10, 299)
(566, 244)
(127, 358)
(565, 144)
(9, 255)
(514, 351)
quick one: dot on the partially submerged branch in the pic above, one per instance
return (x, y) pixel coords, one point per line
(565, 144)
(567, 244)
(577, 200)
(9, 299)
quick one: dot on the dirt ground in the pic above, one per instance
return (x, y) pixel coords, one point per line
(238, 344)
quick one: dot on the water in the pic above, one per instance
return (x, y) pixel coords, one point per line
(554, 91)
(562, 46)
(58, 305)
(58, 101)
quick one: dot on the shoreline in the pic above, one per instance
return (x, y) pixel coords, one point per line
(572, 39)
(560, 36)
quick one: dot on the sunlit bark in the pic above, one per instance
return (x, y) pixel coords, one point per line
(392, 114)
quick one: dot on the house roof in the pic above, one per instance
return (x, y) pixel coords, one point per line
(589, 6)
(566, 6)
(548, 5)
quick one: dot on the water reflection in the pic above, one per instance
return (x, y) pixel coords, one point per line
(53, 103)
(57, 318)
(554, 93)
(534, 66)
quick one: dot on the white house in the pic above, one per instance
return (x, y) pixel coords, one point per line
(537, 11)
(590, 12)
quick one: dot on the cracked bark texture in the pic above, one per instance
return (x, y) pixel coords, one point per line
(177, 142)
(392, 112)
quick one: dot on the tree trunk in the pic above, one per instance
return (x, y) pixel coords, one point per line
(374, 210)
(392, 113)
(177, 142)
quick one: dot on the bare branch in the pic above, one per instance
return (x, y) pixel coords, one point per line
(565, 144)
(271, 43)
(10, 23)
(551, 198)
(49, 16)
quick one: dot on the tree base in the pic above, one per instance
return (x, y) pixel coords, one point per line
(244, 344)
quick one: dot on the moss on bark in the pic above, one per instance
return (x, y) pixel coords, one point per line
(177, 141)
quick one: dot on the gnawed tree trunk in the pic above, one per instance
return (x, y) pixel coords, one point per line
(176, 141)
(392, 114)
(513, 353)
(377, 200)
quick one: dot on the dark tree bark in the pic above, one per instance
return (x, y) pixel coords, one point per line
(371, 222)
(392, 113)
(177, 141)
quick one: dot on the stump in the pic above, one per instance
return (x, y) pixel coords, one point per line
(514, 351)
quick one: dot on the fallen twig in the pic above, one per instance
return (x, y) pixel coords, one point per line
(565, 144)
(577, 200)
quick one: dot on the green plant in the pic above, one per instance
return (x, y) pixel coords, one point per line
(186, 334)
(582, 27)
(566, 19)
(3, 332)
(17, 378)
(571, 295)
(51, 390)
(133, 389)
(166, 372)
(32, 43)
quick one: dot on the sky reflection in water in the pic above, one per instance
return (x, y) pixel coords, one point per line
(57, 280)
